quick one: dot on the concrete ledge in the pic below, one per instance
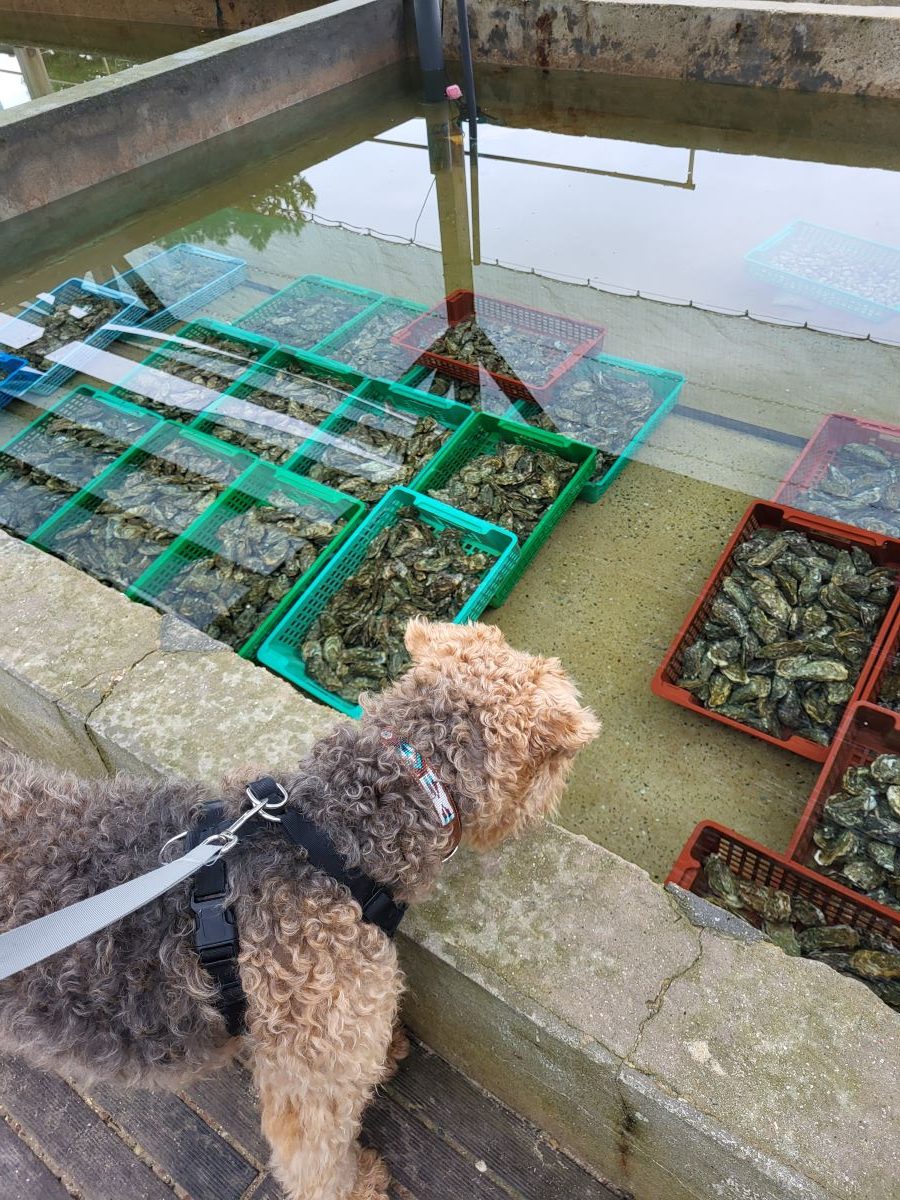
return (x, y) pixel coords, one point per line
(111, 126)
(204, 14)
(799, 46)
(674, 1052)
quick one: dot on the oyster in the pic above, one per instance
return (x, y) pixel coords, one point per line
(116, 534)
(184, 379)
(261, 554)
(59, 457)
(367, 345)
(306, 313)
(857, 841)
(497, 346)
(513, 486)
(799, 927)
(794, 613)
(861, 486)
(73, 319)
(410, 569)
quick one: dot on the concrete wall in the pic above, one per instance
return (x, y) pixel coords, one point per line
(209, 14)
(116, 125)
(805, 47)
(670, 1048)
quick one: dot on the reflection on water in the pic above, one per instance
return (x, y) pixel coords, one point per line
(379, 216)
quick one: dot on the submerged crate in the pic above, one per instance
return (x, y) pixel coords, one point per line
(616, 447)
(308, 310)
(884, 551)
(282, 649)
(832, 268)
(263, 486)
(366, 343)
(757, 864)
(107, 530)
(484, 396)
(277, 405)
(179, 282)
(342, 454)
(822, 451)
(16, 333)
(865, 733)
(881, 686)
(485, 434)
(46, 463)
(10, 365)
(189, 372)
(565, 341)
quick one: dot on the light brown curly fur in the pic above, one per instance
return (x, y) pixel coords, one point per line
(500, 727)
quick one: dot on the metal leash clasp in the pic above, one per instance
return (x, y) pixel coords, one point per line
(262, 806)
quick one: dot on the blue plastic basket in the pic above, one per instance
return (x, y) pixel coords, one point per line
(10, 366)
(666, 385)
(817, 240)
(131, 312)
(264, 318)
(225, 272)
(281, 649)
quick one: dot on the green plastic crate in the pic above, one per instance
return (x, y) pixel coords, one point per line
(241, 410)
(350, 301)
(378, 397)
(232, 463)
(195, 398)
(254, 489)
(384, 360)
(281, 649)
(667, 386)
(482, 435)
(92, 409)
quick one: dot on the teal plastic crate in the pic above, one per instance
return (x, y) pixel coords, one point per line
(666, 385)
(343, 302)
(281, 649)
(176, 398)
(254, 489)
(390, 405)
(33, 381)
(121, 425)
(483, 434)
(177, 283)
(248, 408)
(224, 465)
(857, 258)
(365, 342)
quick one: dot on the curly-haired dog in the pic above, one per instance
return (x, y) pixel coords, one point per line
(500, 728)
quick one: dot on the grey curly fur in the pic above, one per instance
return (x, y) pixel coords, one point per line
(133, 1003)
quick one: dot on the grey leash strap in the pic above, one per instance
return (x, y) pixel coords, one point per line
(29, 944)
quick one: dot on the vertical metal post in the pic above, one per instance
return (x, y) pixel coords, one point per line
(465, 54)
(431, 49)
(448, 165)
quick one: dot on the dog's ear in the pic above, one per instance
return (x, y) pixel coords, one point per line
(432, 641)
(563, 724)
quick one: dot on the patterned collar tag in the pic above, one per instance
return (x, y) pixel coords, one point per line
(425, 778)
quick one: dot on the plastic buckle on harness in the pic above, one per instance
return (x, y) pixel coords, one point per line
(216, 935)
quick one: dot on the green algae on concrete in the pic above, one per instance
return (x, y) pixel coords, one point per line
(619, 578)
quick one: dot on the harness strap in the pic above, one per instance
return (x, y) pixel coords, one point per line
(215, 930)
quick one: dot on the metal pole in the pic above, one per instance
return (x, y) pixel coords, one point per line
(465, 54)
(34, 72)
(431, 49)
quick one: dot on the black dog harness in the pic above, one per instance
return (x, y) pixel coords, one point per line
(216, 932)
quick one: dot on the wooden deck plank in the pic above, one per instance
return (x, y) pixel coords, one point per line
(22, 1174)
(189, 1152)
(227, 1100)
(421, 1162)
(76, 1140)
(515, 1151)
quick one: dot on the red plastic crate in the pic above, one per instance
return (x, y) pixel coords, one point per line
(885, 551)
(758, 864)
(834, 431)
(579, 337)
(865, 733)
(871, 688)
